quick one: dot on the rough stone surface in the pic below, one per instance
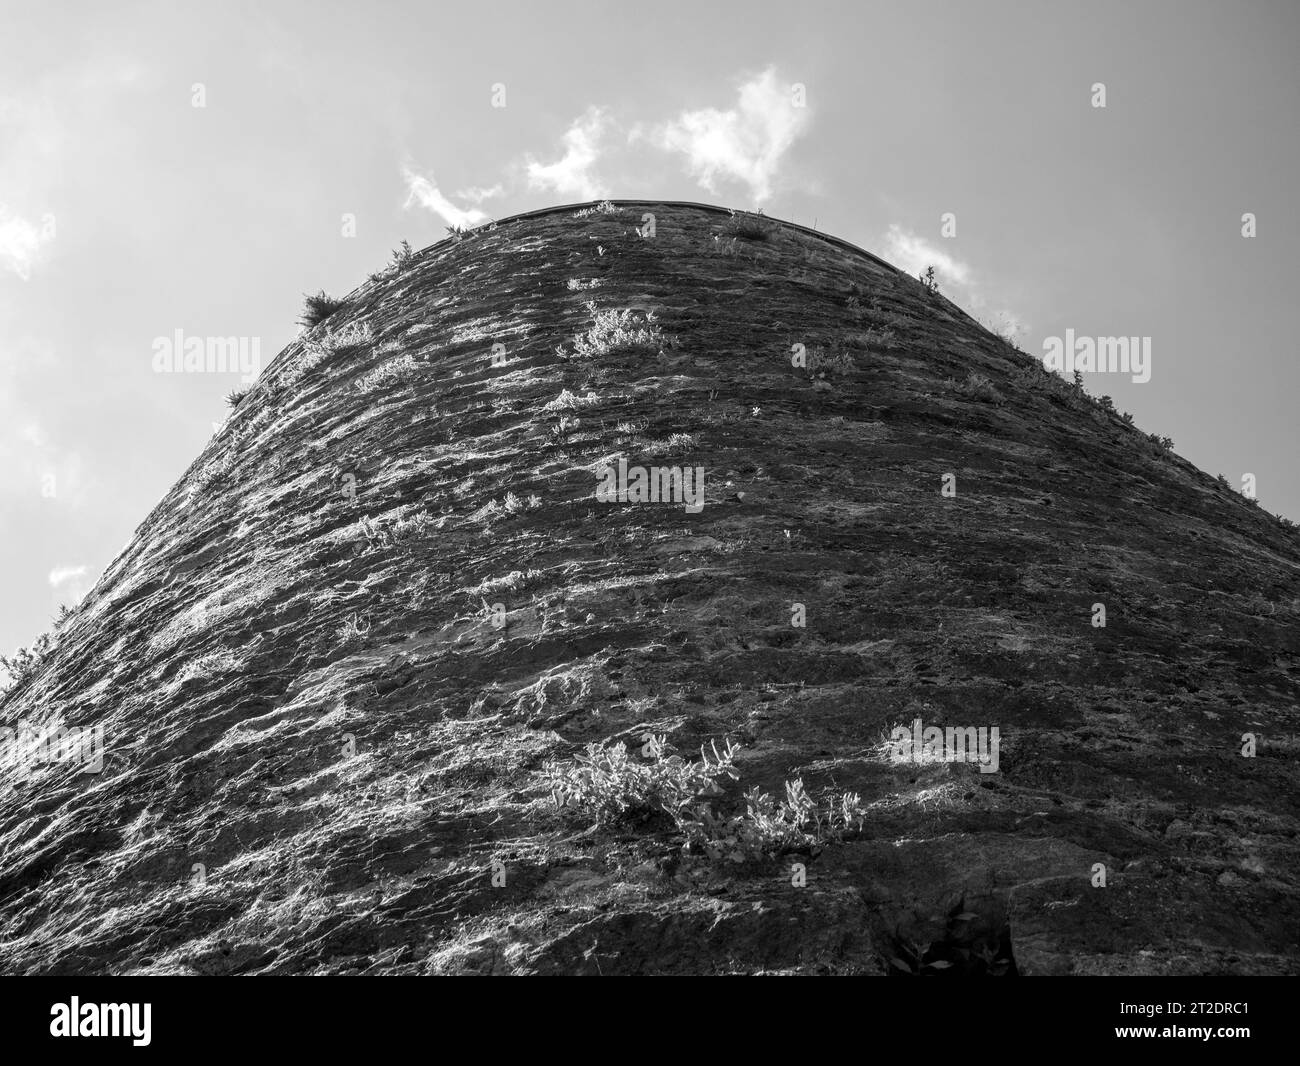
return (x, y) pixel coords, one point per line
(302, 691)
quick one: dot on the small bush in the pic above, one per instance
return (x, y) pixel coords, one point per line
(568, 401)
(928, 280)
(510, 505)
(564, 427)
(616, 330)
(613, 787)
(770, 826)
(515, 581)
(400, 260)
(402, 256)
(354, 630)
(676, 444)
(400, 371)
(234, 396)
(821, 364)
(385, 533)
(610, 785)
(751, 226)
(350, 339)
(24, 662)
(318, 308)
(605, 207)
(978, 387)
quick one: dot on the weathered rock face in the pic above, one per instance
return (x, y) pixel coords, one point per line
(326, 743)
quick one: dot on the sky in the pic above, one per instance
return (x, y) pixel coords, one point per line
(199, 167)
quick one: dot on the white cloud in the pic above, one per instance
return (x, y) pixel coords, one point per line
(70, 583)
(61, 575)
(21, 241)
(745, 144)
(913, 254)
(476, 195)
(572, 174)
(423, 191)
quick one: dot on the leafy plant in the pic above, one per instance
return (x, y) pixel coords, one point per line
(613, 786)
(928, 280)
(24, 662)
(402, 370)
(402, 256)
(609, 784)
(400, 260)
(751, 226)
(354, 630)
(822, 364)
(676, 444)
(770, 826)
(978, 387)
(615, 330)
(515, 581)
(605, 207)
(318, 308)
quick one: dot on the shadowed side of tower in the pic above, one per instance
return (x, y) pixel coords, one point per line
(337, 666)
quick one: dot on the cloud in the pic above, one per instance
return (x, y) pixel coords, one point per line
(913, 254)
(745, 144)
(423, 191)
(475, 195)
(70, 583)
(21, 241)
(572, 174)
(61, 575)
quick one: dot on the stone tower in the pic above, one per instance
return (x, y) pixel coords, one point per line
(640, 470)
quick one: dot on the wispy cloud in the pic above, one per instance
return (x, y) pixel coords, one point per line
(61, 575)
(21, 241)
(745, 144)
(572, 175)
(422, 191)
(476, 195)
(70, 583)
(913, 253)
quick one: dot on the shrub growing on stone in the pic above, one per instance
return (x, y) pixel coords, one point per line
(614, 786)
(615, 330)
(25, 661)
(752, 226)
(318, 308)
(770, 826)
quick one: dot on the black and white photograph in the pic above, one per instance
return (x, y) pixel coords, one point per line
(649, 490)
